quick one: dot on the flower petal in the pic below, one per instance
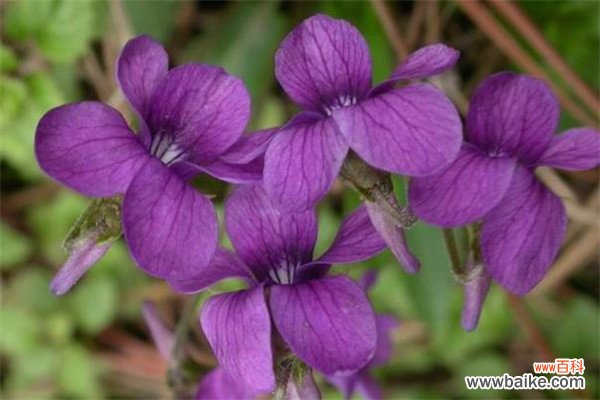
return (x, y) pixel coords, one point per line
(251, 172)
(575, 150)
(249, 147)
(302, 162)
(512, 115)
(327, 322)
(88, 147)
(162, 336)
(426, 61)
(82, 256)
(265, 237)
(204, 110)
(142, 64)
(238, 328)
(475, 291)
(522, 235)
(323, 63)
(218, 385)
(355, 241)
(170, 228)
(463, 193)
(225, 264)
(412, 131)
(385, 324)
(393, 235)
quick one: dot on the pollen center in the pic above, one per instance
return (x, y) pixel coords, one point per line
(164, 148)
(284, 273)
(340, 102)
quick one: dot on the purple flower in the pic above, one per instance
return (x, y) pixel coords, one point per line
(510, 129)
(362, 381)
(326, 321)
(188, 118)
(325, 67)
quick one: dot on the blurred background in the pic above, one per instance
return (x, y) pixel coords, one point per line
(92, 342)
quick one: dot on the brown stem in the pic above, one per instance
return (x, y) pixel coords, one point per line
(490, 26)
(527, 28)
(391, 30)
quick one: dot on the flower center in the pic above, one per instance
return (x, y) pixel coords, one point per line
(340, 102)
(284, 273)
(164, 148)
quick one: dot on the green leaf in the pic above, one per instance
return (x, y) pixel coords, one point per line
(575, 335)
(68, 31)
(17, 147)
(12, 95)
(14, 247)
(487, 364)
(52, 222)
(78, 375)
(20, 331)
(30, 289)
(8, 59)
(244, 43)
(25, 18)
(154, 18)
(94, 303)
(433, 286)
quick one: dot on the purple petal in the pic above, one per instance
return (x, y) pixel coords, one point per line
(170, 228)
(238, 328)
(328, 323)
(463, 193)
(345, 384)
(427, 61)
(475, 292)
(225, 264)
(249, 147)
(302, 162)
(218, 385)
(355, 241)
(575, 150)
(368, 280)
(393, 235)
(512, 115)
(162, 336)
(83, 255)
(412, 131)
(263, 236)
(301, 387)
(142, 64)
(201, 108)
(522, 235)
(250, 172)
(324, 63)
(383, 353)
(368, 387)
(88, 147)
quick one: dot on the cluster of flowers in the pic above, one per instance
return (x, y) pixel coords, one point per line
(191, 120)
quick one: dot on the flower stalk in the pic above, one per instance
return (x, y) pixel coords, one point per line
(375, 186)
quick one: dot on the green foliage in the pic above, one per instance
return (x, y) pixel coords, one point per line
(23, 104)
(244, 43)
(62, 29)
(14, 247)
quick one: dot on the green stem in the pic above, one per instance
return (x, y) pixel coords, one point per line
(452, 248)
(177, 377)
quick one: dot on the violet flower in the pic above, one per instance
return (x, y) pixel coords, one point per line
(188, 117)
(510, 129)
(325, 67)
(362, 381)
(326, 321)
(215, 385)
